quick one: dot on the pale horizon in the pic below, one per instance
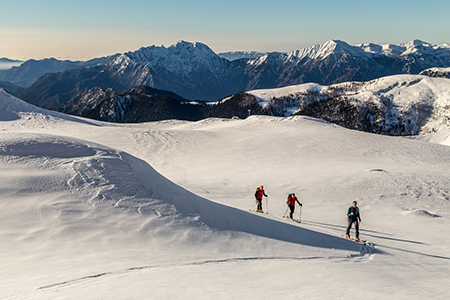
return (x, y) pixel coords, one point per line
(83, 29)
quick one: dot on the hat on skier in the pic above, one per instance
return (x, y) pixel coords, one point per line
(261, 187)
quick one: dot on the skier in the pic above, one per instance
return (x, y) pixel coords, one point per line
(291, 203)
(353, 217)
(259, 195)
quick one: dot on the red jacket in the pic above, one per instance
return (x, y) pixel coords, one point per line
(259, 193)
(291, 201)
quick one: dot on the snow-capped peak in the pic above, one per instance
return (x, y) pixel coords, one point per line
(195, 50)
(186, 56)
(415, 43)
(181, 44)
(326, 49)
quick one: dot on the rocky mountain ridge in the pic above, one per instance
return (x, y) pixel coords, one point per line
(145, 104)
(194, 71)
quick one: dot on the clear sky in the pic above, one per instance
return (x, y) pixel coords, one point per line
(83, 29)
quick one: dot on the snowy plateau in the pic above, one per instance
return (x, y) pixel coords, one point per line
(161, 210)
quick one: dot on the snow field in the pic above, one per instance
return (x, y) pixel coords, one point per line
(93, 210)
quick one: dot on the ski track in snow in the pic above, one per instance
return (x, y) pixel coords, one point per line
(198, 263)
(366, 251)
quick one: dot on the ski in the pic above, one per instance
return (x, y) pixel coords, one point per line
(293, 220)
(354, 240)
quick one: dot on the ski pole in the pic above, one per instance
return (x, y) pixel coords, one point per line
(300, 217)
(254, 203)
(284, 216)
(267, 203)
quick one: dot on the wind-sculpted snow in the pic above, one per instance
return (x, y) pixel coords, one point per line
(102, 177)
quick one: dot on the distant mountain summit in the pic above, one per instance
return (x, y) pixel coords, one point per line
(28, 72)
(6, 63)
(192, 70)
(321, 51)
(183, 56)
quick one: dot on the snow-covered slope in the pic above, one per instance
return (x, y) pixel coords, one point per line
(396, 105)
(160, 210)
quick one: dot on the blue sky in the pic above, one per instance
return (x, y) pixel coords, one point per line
(84, 29)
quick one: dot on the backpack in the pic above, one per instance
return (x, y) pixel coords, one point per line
(256, 193)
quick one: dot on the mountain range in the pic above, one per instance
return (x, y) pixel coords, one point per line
(392, 105)
(194, 71)
(6, 63)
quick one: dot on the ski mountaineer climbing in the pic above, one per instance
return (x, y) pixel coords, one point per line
(291, 203)
(259, 195)
(353, 217)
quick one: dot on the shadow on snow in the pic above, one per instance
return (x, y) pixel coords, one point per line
(225, 218)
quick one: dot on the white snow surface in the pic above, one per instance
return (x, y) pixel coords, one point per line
(92, 210)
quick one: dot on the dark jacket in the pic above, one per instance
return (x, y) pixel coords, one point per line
(353, 213)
